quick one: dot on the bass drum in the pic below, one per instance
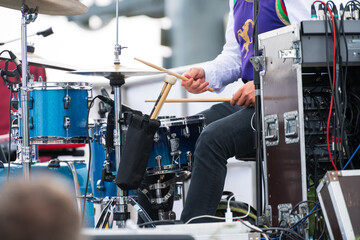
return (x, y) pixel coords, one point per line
(100, 187)
(103, 173)
(75, 172)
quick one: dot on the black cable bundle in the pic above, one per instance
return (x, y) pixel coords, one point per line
(4, 74)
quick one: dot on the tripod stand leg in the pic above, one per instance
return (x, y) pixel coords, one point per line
(103, 214)
(142, 213)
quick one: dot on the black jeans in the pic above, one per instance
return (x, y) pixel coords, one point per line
(228, 133)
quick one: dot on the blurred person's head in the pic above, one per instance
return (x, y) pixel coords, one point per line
(41, 209)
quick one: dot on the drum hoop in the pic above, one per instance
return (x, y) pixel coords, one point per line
(58, 140)
(172, 168)
(182, 121)
(60, 85)
(99, 121)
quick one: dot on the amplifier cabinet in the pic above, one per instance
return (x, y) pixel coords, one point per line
(295, 99)
(282, 115)
(339, 197)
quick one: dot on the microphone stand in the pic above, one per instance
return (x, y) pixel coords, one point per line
(28, 16)
(256, 62)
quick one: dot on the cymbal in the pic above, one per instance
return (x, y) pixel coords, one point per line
(35, 60)
(50, 7)
(115, 71)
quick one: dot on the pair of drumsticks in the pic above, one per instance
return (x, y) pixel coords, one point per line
(167, 87)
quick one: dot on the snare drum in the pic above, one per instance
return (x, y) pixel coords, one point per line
(75, 172)
(174, 145)
(58, 112)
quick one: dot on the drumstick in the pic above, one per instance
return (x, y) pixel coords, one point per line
(161, 101)
(194, 100)
(168, 71)
(159, 97)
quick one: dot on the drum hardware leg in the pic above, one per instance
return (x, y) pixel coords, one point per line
(141, 212)
(157, 187)
(159, 200)
(107, 209)
(170, 215)
(76, 184)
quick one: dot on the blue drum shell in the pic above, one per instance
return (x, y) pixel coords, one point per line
(97, 160)
(162, 146)
(107, 189)
(16, 172)
(47, 113)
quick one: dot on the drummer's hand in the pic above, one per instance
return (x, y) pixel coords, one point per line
(196, 83)
(245, 96)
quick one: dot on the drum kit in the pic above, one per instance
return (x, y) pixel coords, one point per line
(58, 113)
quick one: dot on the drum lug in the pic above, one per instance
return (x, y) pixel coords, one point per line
(31, 123)
(100, 185)
(31, 102)
(189, 159)
(156, 137)
(174, 145)
(186, 132)
(67, 125)
(67, 100)
(158, 159)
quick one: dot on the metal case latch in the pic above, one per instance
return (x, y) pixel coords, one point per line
(293, 53)
(287, 53)
(271, 130)
(291, 127)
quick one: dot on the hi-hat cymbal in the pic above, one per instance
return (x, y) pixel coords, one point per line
(117, 70)
(50, 7)
(35, 60)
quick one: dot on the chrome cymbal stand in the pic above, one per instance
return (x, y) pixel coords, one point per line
(121, 213)
(28, 16)
(116, 81)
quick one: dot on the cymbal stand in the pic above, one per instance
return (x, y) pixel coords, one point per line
(28, 16)
(121, 213)
(116, 81)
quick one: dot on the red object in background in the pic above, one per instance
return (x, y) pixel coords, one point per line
(4, 107)
(5, 93)
(62, 146)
